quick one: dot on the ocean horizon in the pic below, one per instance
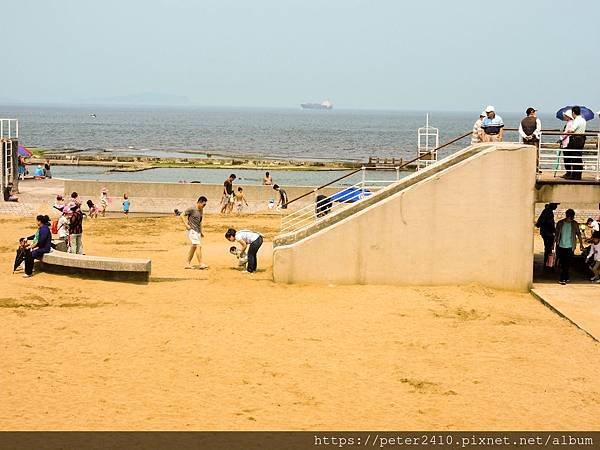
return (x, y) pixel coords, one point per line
(260, 132)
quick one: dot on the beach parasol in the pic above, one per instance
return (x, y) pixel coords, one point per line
(24, 151)
(587, 113)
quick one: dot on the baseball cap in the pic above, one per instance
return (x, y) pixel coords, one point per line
(482, 114)
(530, 110)
(489, 109)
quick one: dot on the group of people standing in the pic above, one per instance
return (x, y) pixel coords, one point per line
(237, 198)
(490, 126)
(561, 239)
(573, 143)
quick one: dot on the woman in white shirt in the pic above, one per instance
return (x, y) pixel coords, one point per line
(250, 242)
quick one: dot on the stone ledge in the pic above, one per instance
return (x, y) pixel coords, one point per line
(97, 266)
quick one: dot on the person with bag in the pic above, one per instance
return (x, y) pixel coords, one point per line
(567, 234)
(547, 228)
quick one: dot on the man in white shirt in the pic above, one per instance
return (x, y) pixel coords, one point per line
(250, 242)
(574, 152)
(492, 125)
(593, 225)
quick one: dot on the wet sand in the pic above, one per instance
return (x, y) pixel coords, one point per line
(224, 350)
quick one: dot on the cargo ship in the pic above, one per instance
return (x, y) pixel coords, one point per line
(323, 105)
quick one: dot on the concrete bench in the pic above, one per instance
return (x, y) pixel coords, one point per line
(59, 244)
(103, 267)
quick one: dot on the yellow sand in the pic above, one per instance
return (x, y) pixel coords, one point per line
(219, 349)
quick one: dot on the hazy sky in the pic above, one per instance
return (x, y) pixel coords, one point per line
(386, 54)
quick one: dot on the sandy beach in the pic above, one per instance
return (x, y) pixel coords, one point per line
(224, 350)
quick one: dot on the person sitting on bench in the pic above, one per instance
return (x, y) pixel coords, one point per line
(42, 241)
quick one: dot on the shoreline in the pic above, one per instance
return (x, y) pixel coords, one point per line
(141, 163)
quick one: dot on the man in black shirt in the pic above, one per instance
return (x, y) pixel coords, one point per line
(228, 197)
(547, 228)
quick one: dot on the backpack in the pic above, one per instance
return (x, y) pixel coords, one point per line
(54, 227)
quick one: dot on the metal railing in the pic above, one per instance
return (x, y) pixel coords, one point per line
(348, 194)
(325, 205)
(555, 156)
(400, 167)
(9, 128)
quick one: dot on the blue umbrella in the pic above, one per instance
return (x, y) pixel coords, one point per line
(587, 113)
(350, 195)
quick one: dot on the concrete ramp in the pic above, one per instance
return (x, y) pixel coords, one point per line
(467, 219)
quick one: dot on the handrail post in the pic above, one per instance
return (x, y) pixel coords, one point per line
(397, 173)
(364, 173)
(598, 157)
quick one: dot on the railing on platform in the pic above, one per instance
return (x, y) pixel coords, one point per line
(553, 158)
(9, 129)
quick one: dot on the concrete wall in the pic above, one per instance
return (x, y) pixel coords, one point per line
(151, 197)
(582, 193)
(468, 220)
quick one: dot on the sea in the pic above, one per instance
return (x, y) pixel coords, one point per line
(319, 135)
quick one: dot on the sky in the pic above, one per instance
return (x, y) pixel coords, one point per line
(366, 54)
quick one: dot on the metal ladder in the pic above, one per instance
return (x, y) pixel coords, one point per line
(7, 175)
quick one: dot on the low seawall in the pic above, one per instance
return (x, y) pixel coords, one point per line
(148, 197)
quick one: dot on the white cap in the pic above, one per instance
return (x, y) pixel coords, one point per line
(483, 114)
(489, 109)
(568, 113)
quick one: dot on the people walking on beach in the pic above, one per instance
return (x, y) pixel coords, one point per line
(47, 169)
(283, 198)
(492, 126)
(227, 200)
(250, 242)
(240, 200)
(92, 209)
(593, 257)
(574, 154)
(41, 244)
(476, 135)
(192, 219)
(267, 180)
(126, 205)
(76, 230)
(567, 234)
(547, 228)
(103, 201)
